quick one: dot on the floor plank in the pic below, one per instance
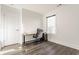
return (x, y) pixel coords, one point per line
(44, 48)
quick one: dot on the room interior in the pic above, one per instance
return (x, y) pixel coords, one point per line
(39, 29)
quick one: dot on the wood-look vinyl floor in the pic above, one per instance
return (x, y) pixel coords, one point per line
(44, 48)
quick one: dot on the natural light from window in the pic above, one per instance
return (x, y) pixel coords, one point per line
(51, 24)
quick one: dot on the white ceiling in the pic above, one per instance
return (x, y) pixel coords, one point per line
(39, 8)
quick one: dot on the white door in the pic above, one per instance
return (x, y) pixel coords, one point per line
(11, 25)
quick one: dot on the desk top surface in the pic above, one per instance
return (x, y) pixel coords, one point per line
(28, 33)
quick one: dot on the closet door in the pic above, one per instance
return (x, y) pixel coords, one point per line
(11, 24)
(1, 37)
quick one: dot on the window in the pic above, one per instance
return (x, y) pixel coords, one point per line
(51, 24)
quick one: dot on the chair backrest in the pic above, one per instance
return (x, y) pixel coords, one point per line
(39, 33)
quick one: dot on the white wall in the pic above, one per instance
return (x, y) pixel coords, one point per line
(31, 21)
(67, 26)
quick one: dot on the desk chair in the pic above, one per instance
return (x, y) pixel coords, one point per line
(38, 36)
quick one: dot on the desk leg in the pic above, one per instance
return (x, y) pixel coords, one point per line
(23, 39)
